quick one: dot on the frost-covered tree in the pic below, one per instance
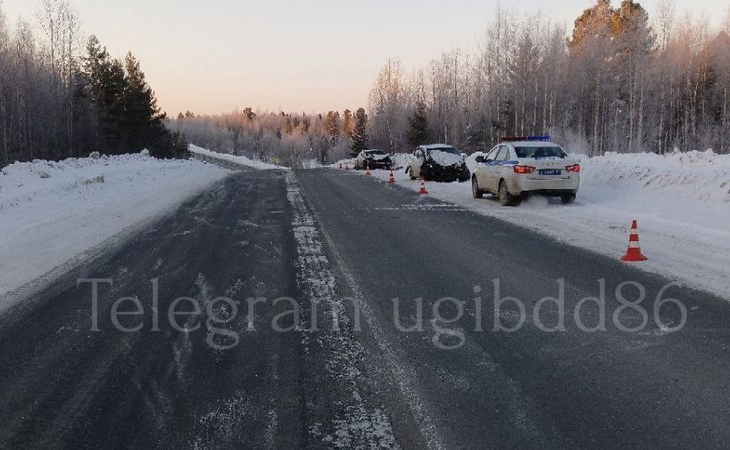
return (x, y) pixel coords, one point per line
(389, 108)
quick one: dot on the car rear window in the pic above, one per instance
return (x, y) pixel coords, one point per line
(450, 150)
(540, 152)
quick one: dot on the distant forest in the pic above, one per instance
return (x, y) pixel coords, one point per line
(618, 82)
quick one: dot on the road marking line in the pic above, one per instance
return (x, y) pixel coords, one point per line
(355, 424)
(403, 376)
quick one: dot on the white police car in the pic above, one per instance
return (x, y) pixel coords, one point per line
(520, 166)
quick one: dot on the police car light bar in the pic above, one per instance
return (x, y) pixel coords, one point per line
(525, 138)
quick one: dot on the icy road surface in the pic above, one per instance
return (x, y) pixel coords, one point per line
(681, 202)
(322, 309)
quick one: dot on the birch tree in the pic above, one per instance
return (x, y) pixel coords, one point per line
(389, 107)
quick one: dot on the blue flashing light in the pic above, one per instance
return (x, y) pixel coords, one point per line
(545, 138)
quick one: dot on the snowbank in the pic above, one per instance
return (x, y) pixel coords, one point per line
(56, 214)
(311, 164)
(239, 160)
(349, 162)
(681, 202)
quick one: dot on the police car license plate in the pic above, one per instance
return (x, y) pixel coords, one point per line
(549, 171)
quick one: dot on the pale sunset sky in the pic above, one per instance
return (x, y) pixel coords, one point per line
(297, 56)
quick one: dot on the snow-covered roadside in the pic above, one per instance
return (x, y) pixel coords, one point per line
(237, 160)
(54, 215)
(681, 202)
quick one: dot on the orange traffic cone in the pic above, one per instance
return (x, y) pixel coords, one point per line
(391, 178)
(633, 253)
(423, 190)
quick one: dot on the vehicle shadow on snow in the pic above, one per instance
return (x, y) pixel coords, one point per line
(536, 202)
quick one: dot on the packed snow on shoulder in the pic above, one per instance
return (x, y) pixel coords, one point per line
(311, 164)
(680, 200)
(238, 160)
(54, 215)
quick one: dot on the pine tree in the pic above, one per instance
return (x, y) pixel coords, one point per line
(180, 146)
(144, 122)
(418, 126)
(106, 84)
(248, 112)
(595, 24)
(359, 134)
(139, 106)
(332, 126)
(348, 124)
(126, 108)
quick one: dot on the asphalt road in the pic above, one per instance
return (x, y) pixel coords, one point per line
(322, 309)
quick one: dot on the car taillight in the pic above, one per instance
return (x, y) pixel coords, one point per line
(523, 169)
(573, 168)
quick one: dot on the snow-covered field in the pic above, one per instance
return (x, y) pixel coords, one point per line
(54, 215)
(681, 202)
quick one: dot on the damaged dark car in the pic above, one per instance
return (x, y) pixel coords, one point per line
(438, 162)
(373, 159)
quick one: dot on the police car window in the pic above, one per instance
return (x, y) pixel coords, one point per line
(503, 154)
(540, 152)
